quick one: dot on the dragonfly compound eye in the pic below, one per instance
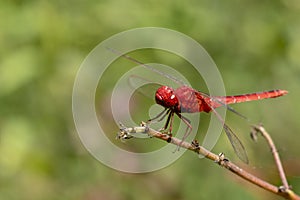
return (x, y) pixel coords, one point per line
(165, 96)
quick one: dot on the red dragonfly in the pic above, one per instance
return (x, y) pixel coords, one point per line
(188, 100)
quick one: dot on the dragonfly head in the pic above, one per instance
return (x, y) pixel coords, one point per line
(166, 97)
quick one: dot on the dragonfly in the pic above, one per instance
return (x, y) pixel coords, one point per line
(186, 99)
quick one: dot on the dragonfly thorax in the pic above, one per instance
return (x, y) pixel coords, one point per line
(166, 97)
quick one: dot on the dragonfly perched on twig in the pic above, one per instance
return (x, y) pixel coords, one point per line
(185, 99)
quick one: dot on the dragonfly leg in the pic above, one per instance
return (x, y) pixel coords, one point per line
(160, 117)
(164, 116)
(155, 119)
(169, 120)
(188, 128)
(166, 124)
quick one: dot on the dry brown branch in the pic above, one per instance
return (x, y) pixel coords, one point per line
(285, 191)
(266, 135)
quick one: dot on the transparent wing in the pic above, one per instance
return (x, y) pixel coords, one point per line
(237, 145)
(143, 86)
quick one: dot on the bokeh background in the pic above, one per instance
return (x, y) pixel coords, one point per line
(256, 46)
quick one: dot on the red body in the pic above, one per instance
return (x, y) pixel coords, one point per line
(187, 100)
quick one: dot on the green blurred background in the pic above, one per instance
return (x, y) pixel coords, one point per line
(256, 46)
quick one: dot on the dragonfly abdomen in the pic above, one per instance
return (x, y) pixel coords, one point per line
(252, 96)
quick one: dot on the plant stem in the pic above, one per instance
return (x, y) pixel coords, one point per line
(127, 133)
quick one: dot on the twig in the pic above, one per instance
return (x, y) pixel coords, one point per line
(127, 133)
(274, 151)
